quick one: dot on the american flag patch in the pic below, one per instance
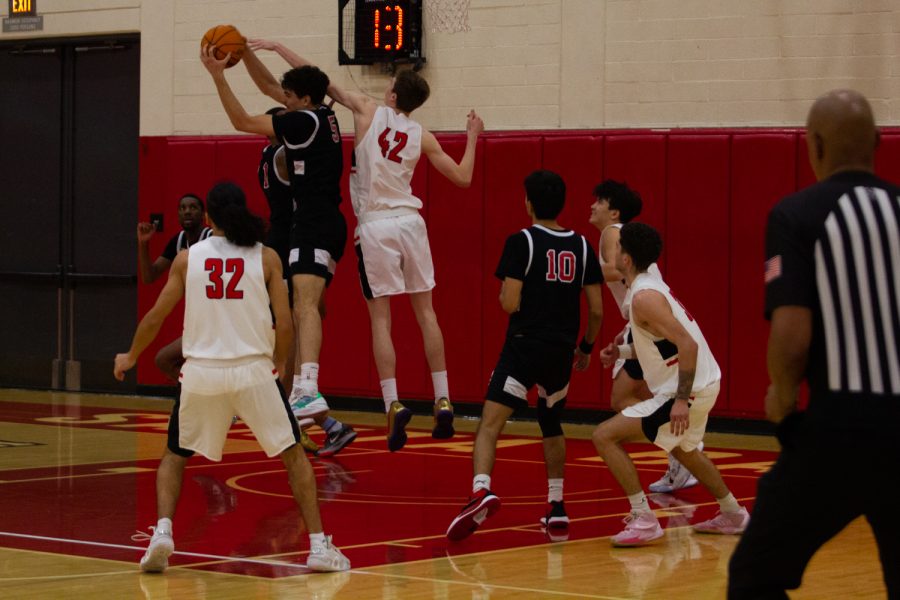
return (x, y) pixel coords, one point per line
(773, 268)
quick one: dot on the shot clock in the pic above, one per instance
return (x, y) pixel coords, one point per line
(380, 31)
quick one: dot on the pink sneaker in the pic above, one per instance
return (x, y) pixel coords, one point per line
(725, 523)
(640, 529)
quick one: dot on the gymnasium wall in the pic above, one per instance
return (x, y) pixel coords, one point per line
(707, 191)
(536, 64)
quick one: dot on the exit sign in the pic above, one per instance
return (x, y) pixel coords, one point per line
(22, 8)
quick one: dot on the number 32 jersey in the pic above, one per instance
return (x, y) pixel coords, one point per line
(226, 311)
(384, 161)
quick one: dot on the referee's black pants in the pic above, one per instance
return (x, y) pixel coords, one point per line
(823, 479)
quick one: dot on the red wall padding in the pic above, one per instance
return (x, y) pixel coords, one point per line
(707, 191)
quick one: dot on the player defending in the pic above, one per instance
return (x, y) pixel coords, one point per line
(543, 269)
(614, 205)
(683, 377)
(229, 283)
(312, 141)
(192, 218)
(392, 240)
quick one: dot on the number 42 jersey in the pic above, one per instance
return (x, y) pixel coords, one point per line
(383, 164)
(226, 311)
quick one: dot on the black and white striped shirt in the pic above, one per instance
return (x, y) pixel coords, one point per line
(835, 248)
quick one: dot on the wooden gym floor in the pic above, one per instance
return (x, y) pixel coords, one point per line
(77, 481)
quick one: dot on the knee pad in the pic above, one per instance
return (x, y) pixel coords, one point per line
(549, 418)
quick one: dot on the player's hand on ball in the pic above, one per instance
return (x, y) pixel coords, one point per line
(123, 363)
(209, 60)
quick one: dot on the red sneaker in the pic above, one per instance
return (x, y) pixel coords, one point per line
(481, 506)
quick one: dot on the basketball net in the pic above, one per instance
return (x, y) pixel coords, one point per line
(448, 16)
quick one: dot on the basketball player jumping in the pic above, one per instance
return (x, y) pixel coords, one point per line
(391, 238)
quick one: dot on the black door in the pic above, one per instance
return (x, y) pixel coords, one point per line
(68, 180)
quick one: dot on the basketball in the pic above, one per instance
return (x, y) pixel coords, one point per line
(226, 38)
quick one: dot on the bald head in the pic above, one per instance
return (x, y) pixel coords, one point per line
(841, 133)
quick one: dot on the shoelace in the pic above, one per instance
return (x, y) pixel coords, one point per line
(143, 536)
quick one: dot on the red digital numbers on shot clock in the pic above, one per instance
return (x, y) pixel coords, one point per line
(392, 24)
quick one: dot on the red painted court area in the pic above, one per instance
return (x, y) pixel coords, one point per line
(238, 516)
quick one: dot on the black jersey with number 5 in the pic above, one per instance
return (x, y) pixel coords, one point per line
(315, 161)
(554, 266)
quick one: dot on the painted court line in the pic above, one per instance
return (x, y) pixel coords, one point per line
(142, 549)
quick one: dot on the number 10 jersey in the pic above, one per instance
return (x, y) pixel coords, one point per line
(383, 164)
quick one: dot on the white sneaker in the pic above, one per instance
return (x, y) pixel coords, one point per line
(156, 558)
(677, 477)
(307, 406)
(327, 557)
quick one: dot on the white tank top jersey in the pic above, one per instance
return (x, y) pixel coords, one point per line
(384, 163)
(658, 356)
(226, 313)
(617, 288)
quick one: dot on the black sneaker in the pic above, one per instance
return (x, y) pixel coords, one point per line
(337, 441)
(556, 516)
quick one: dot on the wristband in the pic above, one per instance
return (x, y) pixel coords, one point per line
(626, 351)
(584, 347)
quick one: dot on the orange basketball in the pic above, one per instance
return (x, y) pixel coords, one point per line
(226, 38)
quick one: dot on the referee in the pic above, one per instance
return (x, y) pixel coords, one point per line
(833, 298)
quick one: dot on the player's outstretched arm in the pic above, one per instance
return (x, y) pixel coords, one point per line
(459, 173)
(278, 298)
(355, 101)
(149, 326)
(240, 119)
(262, 76)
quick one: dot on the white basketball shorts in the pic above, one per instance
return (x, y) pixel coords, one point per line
(394, 256)
(212, 392)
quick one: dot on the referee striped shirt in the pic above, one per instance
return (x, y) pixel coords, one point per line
(835, 247)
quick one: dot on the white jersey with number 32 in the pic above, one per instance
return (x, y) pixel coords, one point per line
(384, 163)
(226, 309)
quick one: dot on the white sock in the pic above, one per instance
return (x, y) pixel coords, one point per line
(164, 524)
(554, 490)
(480, 482)
(309, 379)
(728, 504)
(317, 539)
(389, 392)
(441, 387)
(639, 503)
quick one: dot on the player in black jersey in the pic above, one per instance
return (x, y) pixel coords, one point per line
(274, 181)
(312, 140)
(544, 269)
(192, 218)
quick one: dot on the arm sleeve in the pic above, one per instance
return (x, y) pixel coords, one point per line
(789, 267)
(296, 128)
(592, 271)
(514, 260)
(171, 249)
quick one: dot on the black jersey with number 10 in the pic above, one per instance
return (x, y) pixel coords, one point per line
(554, 265)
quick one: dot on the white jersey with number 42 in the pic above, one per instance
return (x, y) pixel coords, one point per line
(384, 163)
